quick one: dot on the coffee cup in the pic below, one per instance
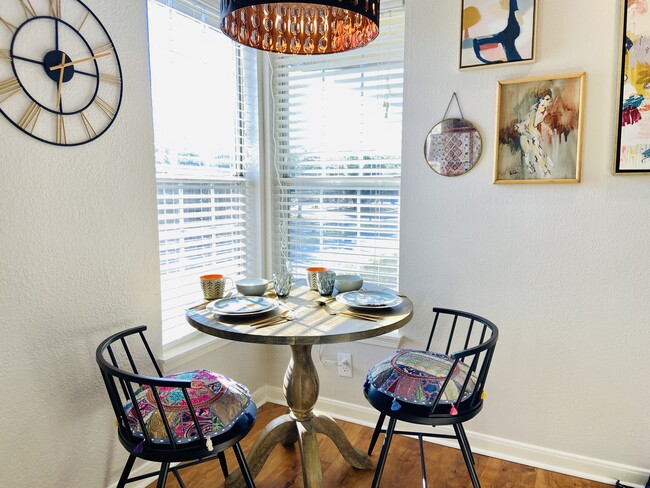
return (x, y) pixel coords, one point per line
(213, 286)
(311, 276)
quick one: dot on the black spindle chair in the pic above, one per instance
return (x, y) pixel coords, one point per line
(434, 388)
(171, 419)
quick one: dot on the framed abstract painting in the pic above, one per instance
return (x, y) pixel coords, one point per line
(539, 129)
(633, 121)
(497, 32)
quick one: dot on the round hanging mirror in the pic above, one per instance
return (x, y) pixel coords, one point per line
(453, 147)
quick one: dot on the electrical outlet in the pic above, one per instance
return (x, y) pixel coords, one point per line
(345, 364)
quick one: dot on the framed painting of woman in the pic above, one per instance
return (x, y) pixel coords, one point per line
(497, 31)
(539, 129)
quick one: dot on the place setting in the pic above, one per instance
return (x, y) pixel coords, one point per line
(356, 303)
(259, 303)
(250, 298)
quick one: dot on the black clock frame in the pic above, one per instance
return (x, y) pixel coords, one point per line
(53, 58)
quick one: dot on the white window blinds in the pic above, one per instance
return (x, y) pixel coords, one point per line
(337, 123)
(205, 128)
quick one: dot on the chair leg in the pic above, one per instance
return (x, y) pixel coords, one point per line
(126, 471)
(461, 430)
(162, 477)
(178, 477)
(467, 454)
(390, 430)
(243, 466)
(375, 434)
(423, 466)
(224, 464)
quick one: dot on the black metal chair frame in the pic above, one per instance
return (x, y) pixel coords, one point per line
(478, 356)
(172, 451)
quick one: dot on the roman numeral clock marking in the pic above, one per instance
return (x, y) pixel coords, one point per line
(110, 79)
(90, 132)
(55, 8)
(105, 107)
(8, 25)
(9, 88)
(28, 8)
(60, 130)
(29, 120)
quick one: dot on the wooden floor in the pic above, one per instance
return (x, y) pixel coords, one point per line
(445, 466)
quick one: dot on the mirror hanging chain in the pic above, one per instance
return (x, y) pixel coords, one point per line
(454, 96)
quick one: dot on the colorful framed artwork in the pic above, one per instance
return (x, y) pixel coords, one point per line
(633, 122)
(539, 129)
(497, 32)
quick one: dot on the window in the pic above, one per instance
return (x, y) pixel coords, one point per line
(334, 156)
(206, 132)
(337, 132)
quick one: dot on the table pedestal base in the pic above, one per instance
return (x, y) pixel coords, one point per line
(300, 425)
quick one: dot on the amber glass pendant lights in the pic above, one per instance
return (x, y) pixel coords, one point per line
(305, 27)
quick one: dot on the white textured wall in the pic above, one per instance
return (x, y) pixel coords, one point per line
(563, 270)
(78, 261)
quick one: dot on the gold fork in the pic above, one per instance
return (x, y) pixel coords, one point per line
(349, 313)
(284, 316)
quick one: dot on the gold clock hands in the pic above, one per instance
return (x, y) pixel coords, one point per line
(58, 90)
(71, 63)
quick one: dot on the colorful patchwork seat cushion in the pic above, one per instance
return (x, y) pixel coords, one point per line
(417, 376)
(218, 402)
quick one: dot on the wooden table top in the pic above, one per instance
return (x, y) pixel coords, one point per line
(311, 325)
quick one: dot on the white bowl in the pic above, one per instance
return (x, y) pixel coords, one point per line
(348, 282)
(252, 286)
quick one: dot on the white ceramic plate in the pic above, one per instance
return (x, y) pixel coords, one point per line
(240, 306)
(369, 299)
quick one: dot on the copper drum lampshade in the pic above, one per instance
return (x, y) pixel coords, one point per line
(303, 27)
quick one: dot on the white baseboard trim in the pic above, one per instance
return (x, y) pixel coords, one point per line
(496, 447)
(518, 452)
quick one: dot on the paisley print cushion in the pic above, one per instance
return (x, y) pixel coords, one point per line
(218, 402)
(417, 376)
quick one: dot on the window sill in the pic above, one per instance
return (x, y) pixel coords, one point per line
(197, 344)
(391, 340)
(189, 347)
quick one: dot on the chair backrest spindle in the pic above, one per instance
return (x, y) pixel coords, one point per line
(127, 351)
(193, 414)
(168, 430)
(151, 356)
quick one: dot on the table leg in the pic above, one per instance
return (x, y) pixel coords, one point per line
(355, 457)
(301, 387)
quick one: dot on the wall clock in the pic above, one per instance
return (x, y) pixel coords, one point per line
(60, 77)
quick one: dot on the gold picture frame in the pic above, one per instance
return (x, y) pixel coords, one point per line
(539, 129)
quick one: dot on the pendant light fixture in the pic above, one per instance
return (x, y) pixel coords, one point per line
(301, 27)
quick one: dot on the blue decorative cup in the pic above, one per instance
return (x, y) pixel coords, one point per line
(282, 284)
(325, 282)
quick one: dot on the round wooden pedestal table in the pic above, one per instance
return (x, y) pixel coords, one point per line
(311, 325)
